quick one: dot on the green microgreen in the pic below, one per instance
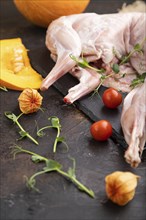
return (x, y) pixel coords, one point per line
(83, 63)
(55, 123)
(35, 157)
(139, 80)
(137, 48)
(3, 88)
(23, 133)
(51, 165)
(102, 78)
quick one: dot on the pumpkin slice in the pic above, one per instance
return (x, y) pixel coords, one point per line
(15, 69)
(43, 12)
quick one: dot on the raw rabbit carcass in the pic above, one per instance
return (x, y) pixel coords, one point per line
(103, 40)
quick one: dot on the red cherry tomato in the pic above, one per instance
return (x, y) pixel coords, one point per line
(101, 130)
(111, 98)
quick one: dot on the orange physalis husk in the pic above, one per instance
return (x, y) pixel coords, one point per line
(30, 101)
(120, 187)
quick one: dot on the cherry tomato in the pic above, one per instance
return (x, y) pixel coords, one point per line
(101, 130)
(111, 98)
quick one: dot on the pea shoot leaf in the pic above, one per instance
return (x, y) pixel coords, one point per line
(11, 116)
(23, 133)
(37, 158)
(60, 139)
(55, 122)
(52, 165)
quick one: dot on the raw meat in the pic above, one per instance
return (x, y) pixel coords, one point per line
(133, 122)
(103, 40)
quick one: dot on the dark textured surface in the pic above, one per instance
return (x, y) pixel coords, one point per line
(59, 199)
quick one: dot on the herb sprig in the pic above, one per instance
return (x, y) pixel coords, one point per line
(139, 80)
(23, 133)
(55, 123)
(51, 165)
(137, 48)
(83, 63)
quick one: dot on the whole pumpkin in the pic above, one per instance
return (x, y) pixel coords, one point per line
(42, 12)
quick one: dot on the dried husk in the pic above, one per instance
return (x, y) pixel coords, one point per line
(120, 187)
(30, 101)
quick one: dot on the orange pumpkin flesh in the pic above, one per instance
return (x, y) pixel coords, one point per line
(15, 70)
(42, 12)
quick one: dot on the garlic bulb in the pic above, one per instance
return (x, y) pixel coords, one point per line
(120, 187)
(30, 101)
